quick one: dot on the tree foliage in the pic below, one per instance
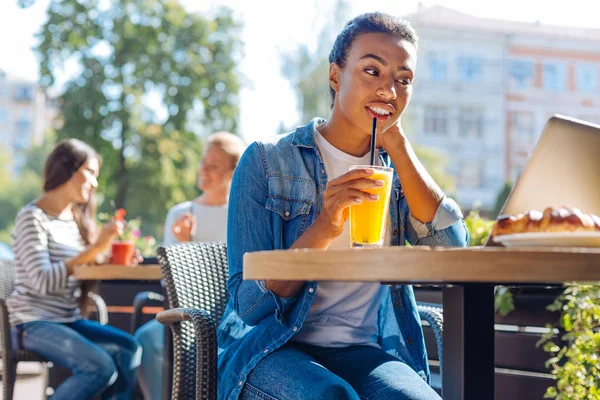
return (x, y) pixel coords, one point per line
(141, 81)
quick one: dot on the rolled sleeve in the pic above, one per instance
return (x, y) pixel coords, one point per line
(446, 229)
(255, 301)
(447, 214)
(282, 303)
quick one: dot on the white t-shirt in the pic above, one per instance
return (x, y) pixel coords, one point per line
(342, 313)
(211, 222)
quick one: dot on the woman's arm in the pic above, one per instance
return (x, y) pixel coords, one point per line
(249, 229)
(430, 218)
(423, 195)
(172, 216)
(31, 249)
(446, 229)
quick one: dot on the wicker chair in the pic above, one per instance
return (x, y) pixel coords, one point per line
(141, 300)
(433, 314)
(11, 356)
(195, 277)
(196, 281)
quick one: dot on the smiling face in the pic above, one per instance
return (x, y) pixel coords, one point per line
(375, 82)
(216, 169)
(84, 181)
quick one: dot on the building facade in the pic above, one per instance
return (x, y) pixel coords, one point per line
(25, 116)
(485, 88)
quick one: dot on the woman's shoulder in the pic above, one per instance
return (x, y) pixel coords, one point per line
(284, 148)
(31, 212)
(30, 218)
(180, 209)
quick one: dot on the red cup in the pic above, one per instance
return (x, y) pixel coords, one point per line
(122, 253)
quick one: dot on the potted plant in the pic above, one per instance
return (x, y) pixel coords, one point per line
(123, 249)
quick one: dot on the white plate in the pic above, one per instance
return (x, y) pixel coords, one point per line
(550, 239)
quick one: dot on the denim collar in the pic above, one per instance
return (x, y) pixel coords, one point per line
(304, 136)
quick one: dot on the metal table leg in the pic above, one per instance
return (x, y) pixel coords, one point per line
(468, 342)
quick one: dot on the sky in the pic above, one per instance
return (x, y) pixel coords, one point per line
(273, 26)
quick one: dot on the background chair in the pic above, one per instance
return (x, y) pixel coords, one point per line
(433, 315)
(12, 356)
(195, 276)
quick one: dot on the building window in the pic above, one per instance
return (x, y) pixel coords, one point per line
(23, 93)
(22, 133)
(470, 174)
(521, 74)
(3, 116)
(25, 114)
(554, 76)
(469, 68)
(21, 142)
(438, 66)
(587, 78)
(436, 120)
(521, 125)
(470, 123)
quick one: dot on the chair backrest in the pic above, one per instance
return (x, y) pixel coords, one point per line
(7, 278)
(195, 276)
(7, 284)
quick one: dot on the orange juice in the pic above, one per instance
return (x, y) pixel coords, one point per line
(368, 219)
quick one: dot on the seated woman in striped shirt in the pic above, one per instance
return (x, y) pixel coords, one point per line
(51, 236)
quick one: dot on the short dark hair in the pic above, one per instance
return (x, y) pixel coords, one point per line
(368, 23)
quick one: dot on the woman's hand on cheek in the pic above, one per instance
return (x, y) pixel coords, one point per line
(392, 138)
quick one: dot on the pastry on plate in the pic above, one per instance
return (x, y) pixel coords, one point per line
(552, 219)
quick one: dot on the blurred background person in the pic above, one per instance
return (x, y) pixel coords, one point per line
(52, 236)
(222, 153)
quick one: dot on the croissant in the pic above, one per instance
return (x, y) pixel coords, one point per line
(553, 219)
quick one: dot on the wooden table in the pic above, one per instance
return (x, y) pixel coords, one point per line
(149, 272)
(468, 276)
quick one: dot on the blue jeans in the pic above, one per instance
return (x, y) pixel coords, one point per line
(103, 359)
(299, 371)
(151, 336)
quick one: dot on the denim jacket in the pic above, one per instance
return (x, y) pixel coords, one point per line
(276, 193)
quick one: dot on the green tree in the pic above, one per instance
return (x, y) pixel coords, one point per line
(435, 162)
(307, 70)
(129, 54)
(18, 190)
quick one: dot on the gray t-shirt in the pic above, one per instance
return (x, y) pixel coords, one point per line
(342, 313)
(211, 222)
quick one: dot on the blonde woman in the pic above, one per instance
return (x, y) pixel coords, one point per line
(223, 151)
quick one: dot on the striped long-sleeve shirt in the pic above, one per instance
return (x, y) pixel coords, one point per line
(43, 289)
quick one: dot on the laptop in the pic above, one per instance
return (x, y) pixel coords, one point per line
(563, 169)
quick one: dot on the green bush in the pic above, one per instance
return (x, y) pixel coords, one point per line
(479, 228)
(575, 360)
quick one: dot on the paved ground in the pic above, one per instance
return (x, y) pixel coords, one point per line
(30, 382)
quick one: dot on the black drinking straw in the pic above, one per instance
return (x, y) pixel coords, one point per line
(373, 139)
